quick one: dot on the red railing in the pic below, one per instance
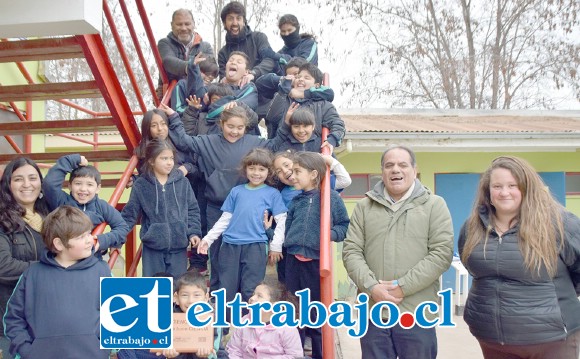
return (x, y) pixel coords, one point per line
(326, 272)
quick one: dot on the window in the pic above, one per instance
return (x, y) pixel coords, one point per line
(573, 183)
(361, 184)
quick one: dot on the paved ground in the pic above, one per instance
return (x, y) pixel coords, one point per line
(453, 343)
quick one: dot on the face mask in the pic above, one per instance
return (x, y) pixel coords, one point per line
(291, 40)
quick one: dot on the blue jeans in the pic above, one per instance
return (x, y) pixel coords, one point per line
(396, 342)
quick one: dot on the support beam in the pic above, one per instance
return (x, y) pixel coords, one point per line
(60, 126)
(40, 49)
(93, 156)
(52, 91)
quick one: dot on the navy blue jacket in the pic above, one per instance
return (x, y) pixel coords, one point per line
(250, 43)
(54, 311)
(302, 234)
(218, 159)
(98, 210)
(169, 213)
(316, 100)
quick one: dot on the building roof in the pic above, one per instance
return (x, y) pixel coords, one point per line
(462, 130)
(478, 122)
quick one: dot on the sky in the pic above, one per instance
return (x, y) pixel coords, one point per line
(312, 19)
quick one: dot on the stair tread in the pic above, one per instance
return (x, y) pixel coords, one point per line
(50, 91)
(58, 126)
(97, 156)
(40, 49)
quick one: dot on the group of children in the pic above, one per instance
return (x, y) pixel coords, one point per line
(216, 187)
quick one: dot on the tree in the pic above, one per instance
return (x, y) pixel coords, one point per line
(499, 54)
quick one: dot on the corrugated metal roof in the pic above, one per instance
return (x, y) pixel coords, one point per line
(460, 123)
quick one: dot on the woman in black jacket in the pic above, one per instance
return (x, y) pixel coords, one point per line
(22, 210)
(523, 250)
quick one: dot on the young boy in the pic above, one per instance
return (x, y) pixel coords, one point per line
(191, 288)
(201, 71)
(307, 91)
(54, 310)
(84, 185)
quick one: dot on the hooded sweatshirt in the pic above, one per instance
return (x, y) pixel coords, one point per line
(218, 159)
(98, 210)
(169, 213)
(54, 311)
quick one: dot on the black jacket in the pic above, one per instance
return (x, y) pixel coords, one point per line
(250, 43)
(506, 304)
(17, 251)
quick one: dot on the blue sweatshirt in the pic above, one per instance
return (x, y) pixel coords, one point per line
(98, 210)
(169, 213)
(302, 234)
(54, 311)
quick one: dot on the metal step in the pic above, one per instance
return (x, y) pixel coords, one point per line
(50, 91)
(40, 49)
(59, 126)
(93, 156)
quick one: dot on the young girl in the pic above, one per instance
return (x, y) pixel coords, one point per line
(155, 125)
(302, 235)
(169, 213)
(244, 242)
(283, 164)
(302, 136)
(219, 157)
(269, 341)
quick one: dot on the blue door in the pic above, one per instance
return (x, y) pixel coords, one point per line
(459, 189)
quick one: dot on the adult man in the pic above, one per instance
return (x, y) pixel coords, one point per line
(240, 37)
(180, 45)
(399, 242)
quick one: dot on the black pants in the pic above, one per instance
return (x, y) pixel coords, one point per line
(301, 275)
(397, 342)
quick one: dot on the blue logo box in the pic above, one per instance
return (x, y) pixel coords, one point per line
(136, 313)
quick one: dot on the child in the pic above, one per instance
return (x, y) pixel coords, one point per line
(169, 213)
(191, 288)
(302, 137)
(244, 243)
(283, 166)
(201, 119)
(155, 125)
(201, 71)
(54, 310)
(306, 90)
(219, 156)
(267, 84)
(269, 341)
(84, 184)
(302, 235)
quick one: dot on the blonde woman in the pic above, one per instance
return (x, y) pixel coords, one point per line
(523, 250)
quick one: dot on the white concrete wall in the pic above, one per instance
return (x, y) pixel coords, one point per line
(37, 18)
